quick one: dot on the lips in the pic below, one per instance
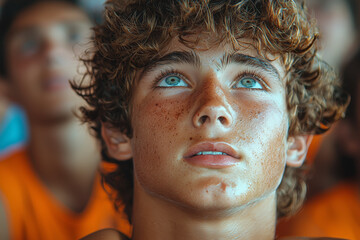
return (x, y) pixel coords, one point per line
(212, 155)
(56, 83)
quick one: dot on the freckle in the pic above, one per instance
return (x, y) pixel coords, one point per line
(191, 138)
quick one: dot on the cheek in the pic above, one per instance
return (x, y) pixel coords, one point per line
(264, 137)
(157, 127)
(24, 71)
(160, 117)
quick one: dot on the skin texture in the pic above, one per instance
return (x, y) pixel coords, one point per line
(221, 97)
(255, 126)
(253, 122)
(42, 56)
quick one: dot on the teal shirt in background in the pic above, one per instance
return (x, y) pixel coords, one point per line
(13, 130)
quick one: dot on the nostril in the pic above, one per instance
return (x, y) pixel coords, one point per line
(222, 120)
(203, 119)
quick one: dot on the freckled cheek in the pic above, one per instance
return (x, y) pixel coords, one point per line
(158, 126)
(263, 128)
(254, 118)
(273, 164)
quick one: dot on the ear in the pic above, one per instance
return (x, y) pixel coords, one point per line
(297, 148)
(118, 144)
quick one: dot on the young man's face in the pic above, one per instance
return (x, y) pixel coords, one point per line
(210, 127)
(43, 47)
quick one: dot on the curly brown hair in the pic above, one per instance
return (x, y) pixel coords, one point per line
(134, 33)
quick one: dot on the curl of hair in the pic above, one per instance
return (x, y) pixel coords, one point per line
(135, 32)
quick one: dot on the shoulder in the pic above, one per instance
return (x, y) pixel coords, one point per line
(106, 234)
(307, 238)
(4, 232)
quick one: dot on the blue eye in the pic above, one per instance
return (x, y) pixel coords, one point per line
(248, 82)
(172, 81)
(30, 46)
(74, 37)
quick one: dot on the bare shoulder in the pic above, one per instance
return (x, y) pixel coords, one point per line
(4, 232)
(307, 238)
(106, 234)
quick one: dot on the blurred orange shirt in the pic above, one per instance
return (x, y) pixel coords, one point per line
(34, 214)
(335, 213)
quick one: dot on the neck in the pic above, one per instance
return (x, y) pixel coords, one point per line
(65, 157)
(156, 219)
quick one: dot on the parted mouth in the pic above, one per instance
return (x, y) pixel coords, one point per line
(212, 148)
(56, 82)
(210, 153)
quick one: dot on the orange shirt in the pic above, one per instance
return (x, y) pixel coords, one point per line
(335, 213)
(33, 213)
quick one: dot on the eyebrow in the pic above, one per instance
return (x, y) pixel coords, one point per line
(190, 57)
(29, 29)
(250, 61)
(177, 57)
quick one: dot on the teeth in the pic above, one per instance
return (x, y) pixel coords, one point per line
(210, 153)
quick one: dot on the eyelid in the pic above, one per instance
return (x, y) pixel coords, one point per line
(255, 75)
(168, 73)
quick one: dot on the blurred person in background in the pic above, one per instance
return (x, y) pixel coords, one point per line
(13, 126)
(50, 189)
(337, 21)
(336, 212)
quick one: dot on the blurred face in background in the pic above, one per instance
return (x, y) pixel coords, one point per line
(43, 47)
(337, 29)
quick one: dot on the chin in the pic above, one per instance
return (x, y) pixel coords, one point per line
(214, 201)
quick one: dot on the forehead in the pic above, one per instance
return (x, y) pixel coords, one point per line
(44, 14)
(214, 52)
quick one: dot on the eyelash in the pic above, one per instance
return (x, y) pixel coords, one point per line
(250, 73)
(167, 73)
(246, 73)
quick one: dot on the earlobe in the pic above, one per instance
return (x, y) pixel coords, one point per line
(118, 144)
(297, 148)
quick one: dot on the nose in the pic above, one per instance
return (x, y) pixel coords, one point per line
(214, 108)
(55, 53)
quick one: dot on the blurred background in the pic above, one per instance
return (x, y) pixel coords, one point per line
(14, 131)
(332, 206)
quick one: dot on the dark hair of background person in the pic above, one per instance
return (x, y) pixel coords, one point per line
(354, 8)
